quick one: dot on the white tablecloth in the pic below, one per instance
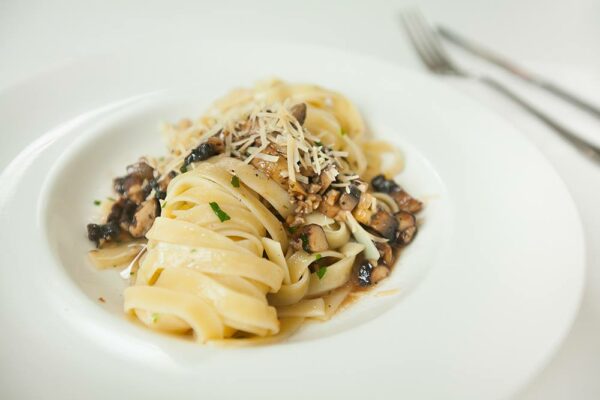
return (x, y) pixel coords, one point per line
(558, 38)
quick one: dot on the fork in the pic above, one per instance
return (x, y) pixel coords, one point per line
(429, 48)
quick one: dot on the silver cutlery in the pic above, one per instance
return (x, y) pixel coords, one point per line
(518, 71)
(429, 48)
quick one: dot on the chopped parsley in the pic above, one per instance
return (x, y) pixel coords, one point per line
(319, 144)
(110, 199)
(292, 229)
(183, 168)
(223, 216)
(235, 181)
(154, 317)
(321, 272)
(318, 256)
(194, 250)
(343, 132)
(97, 202)
(304, 239)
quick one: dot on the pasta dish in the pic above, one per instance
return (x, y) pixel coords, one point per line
(267, 211)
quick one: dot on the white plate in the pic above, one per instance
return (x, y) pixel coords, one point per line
(486, 292)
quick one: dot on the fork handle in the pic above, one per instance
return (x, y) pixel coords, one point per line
(583, 146)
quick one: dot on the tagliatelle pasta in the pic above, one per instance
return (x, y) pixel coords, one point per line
(260, 217)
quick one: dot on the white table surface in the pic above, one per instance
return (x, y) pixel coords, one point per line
(558, 38)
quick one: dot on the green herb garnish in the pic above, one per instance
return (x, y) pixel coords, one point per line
(183, 168)
(343, 132)
(321, 272)
(319, 144)
(97, 202)
(110, 199)
(318, 256)
(235, 181)
(292, 229)
(223, 216)
(304, 239)
(154, 318)
(164, 204)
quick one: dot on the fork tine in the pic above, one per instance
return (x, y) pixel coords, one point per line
(432, 41)
(424, 55)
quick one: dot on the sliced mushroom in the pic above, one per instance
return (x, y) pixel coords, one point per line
(407, 227)
(141, 169)
(385, 224)
(99, 233)
(380, 272)
(363, 273)
(144, 218)
(273, 169)
(123, 184)
(363, 212)
(329, 205)
(405, 220)
(325, 180)
(381, 184)
(299, 112)
(122, 213)
(406, 202)
(203, 152)
(313, 239)
(349, 200)
(385, 252)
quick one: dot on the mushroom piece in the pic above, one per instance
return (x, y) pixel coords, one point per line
(203, 152)
(365, 269)
(325, 180)
(144, 218)
(122, 213)
(329, 205)
(406, 202)
(385, 252)
(299, 112)
(380, 272)
(385, 224)
(99, 233)
(313, 239)
(407, 227)
(273, 169)
(349, 200)
(381, 184)
(141, 169)
(363, 212)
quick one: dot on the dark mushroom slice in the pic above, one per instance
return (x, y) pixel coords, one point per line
(203, 152)
(407, 227)
(313, 238)
(381, 184)
(141, 169)
(144, 218)
(325, 181)
(386, 255)
(124, 184)
(329, 205)
(380, 272)
(122, 212)
(349, 199)
(363, 275)
(273, 169)
(98, 233)
(406, 202)
(384, 224)
(299, 112)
